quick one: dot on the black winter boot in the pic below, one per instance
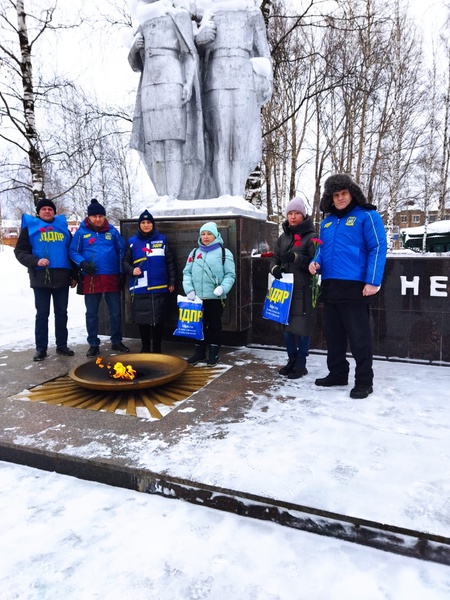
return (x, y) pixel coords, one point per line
(330, 381)
(213, 357)
(288, 368)
(299, 369)
(198, 356)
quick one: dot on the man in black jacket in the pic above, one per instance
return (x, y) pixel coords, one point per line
(42, 247)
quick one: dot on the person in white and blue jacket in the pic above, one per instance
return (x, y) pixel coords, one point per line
(209, 274)
(150, 265)
(351, 261)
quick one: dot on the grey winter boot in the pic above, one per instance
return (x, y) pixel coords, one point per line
(213, 357)
(198, 356)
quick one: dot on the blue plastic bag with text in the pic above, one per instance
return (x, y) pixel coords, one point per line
(278, 299)
(190, 318)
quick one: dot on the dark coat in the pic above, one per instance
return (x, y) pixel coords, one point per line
(302, 315)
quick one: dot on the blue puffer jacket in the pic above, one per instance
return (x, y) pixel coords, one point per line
(354, 247)
(206, 270)
(105, 248)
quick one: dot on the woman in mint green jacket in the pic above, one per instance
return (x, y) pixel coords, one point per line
(209, 274)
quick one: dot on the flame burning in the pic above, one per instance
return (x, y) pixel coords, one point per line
(123, 372)
(120, 370)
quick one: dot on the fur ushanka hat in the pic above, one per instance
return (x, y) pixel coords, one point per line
(337, 183)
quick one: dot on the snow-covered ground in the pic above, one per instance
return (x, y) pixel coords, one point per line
(66, 538)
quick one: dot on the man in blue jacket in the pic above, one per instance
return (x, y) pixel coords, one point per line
(98, 248)
(43, 247)
(351, 261)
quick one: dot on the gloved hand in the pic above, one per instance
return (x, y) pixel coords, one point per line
(218, 291)
(289, 257)
(87, 267)
(277, 272)
(191, 295)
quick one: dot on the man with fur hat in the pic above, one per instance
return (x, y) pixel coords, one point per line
(98, 248)
(293, 252)
(43, 247)
(351, 261)
(150, 265)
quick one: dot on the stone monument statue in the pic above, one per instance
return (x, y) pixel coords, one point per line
(236, 82)
(167, 124)
(197, 120)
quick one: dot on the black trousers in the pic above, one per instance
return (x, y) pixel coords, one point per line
(149, 331)
(212, 321)
(349, 322)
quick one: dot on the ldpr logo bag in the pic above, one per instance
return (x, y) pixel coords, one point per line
(278, 299)
(190, 318)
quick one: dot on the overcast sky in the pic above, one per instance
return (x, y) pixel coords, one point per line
(97, 55)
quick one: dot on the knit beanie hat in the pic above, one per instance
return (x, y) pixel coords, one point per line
(296, 204)
(210, 226)
(337, 183)
(146, 216)
(45, 202)
(95, 208)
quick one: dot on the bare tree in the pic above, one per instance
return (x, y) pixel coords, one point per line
(26, 99)
(24, 132)
(286, 118)
(445, 139)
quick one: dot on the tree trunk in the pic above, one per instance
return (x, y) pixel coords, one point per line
(34, 155)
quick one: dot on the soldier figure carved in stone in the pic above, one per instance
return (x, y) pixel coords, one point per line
(236, 81)
(167, 123)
